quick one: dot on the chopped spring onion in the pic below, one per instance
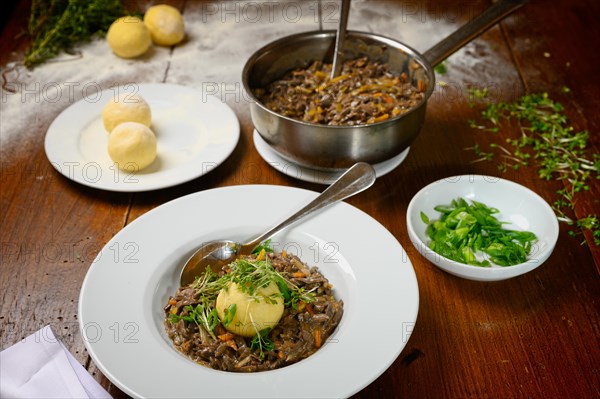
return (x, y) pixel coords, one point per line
(466, 230)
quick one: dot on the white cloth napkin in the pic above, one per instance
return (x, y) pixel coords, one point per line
(40, 366)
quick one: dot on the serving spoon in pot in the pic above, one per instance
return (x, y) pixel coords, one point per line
(338, 58)
(222, 252)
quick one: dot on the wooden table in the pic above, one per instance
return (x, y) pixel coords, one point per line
(536, 335)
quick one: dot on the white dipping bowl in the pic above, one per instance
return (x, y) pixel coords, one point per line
(520, 207)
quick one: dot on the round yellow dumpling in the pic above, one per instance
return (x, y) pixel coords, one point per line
(251, 315)
(132, 146)
(126, 107)
(165, 24)
(128, 37)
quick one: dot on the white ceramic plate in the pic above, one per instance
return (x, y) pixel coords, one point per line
(123, 295)
(195, 133)
(520, 208)
(315, 175)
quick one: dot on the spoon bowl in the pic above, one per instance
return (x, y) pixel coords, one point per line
(222, 252)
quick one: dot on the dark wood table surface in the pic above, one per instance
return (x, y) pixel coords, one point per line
(533, 336)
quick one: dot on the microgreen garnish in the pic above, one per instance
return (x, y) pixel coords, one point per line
(208, 285)
(295, 295)
(547, 140)
(251, 275)
(265, 245)
(465, 229)
(229, 314)
(300, 295)
(441, 69)
(203, 315)
(262, 342)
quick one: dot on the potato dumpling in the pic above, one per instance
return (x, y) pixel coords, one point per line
(165, 24)
(132, 146)
(251, 315)
(126, 107)
(128, 37)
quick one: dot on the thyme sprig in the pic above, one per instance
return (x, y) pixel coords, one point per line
(548, 141)
(58, 25)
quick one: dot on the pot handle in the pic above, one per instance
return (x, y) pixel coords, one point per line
(471, 30)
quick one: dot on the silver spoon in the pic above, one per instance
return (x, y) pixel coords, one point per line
(219, 253)
(320, 13)
(338, 59)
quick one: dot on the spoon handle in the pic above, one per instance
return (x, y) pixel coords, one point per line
(471, 30)
(320, 13)
(339, 39)
(355, 180)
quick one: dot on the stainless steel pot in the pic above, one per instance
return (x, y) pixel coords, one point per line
(337, 147)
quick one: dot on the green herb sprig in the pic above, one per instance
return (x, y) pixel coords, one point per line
(208, 285)
(548, 141)
(262, 342)
(229, 314)
(251, 276)
(203, 315)
(465, 229)
(441, 68)
(265, 245)
(57, 25)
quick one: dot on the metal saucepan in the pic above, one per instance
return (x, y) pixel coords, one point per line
(337, 147)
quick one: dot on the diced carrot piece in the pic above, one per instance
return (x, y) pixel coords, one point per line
(261, 254)
(318, 338)
(310, 309)
(419, 85)
(226, 337)
(172, 301)
(382, 118)
(298, 275)
(284, 254)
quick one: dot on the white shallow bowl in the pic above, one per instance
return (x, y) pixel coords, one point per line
(520, 207)
(121, 302)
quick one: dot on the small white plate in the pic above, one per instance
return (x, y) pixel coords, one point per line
(519, 207)
(123, 295)
(195, 133)
(315, 175)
